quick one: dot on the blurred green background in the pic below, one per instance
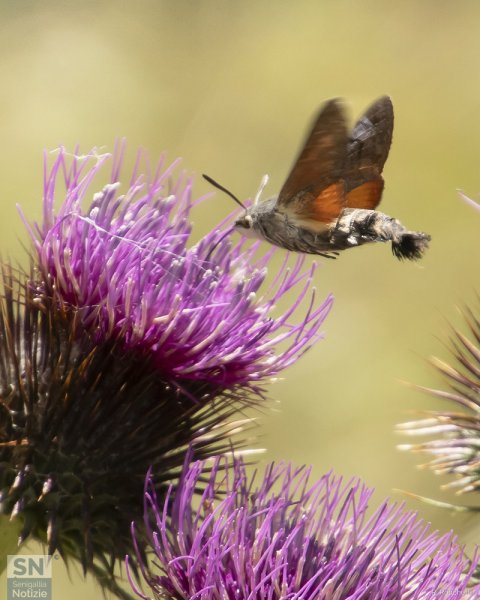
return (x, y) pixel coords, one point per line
(231, 87)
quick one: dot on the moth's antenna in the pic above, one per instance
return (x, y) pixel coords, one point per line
(220, 187)
(263, 183)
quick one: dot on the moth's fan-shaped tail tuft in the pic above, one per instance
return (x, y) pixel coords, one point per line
(410, 245)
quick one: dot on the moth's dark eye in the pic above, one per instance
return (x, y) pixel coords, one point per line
(244, 222)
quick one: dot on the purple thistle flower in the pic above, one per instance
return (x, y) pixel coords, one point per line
(288, 539)
(124, 261)
(125, 346)
(456, 449)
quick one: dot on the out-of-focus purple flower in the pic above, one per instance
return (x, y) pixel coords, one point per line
(469, 200)
(286, 538)
(456, 447)
(123, 257)
(125, 346)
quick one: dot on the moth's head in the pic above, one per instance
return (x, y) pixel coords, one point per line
(249, 225)
(244, 223)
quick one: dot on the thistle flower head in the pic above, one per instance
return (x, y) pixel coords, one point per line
(456, 447)
(125, 260)
(125, 346)
(286, 538)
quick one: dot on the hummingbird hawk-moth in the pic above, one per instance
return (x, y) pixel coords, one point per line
(328, 201)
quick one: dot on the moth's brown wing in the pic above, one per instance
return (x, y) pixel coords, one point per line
(367, 152)
(314, 187)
